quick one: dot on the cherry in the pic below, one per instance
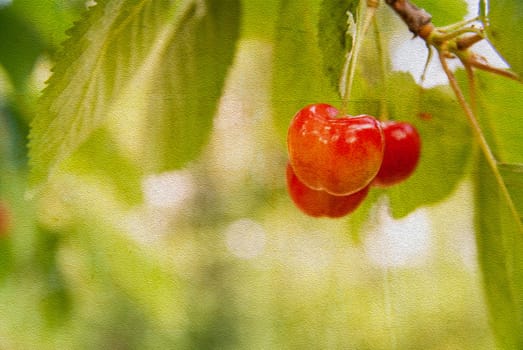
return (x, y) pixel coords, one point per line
(401, 155)
(337, 154)
(320, 203)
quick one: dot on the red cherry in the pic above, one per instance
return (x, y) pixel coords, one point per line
(402, 152)
(320, 203)
(340, 155)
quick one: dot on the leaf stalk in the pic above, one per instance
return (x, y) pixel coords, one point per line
(482, 141)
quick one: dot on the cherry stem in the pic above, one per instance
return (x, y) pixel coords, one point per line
(384, 110)
(426, 67)
(460, 24)
(442, 36)
(352, 56)
(483, 144)
(488, 68)
(472, 87)
(468, 41)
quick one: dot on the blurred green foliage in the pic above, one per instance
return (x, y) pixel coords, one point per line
(108, 252)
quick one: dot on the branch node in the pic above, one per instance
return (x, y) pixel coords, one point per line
(415, 18)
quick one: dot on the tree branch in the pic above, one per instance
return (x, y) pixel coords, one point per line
(416, 19)
(455, 39)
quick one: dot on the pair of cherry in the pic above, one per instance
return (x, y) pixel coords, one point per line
(334, 160)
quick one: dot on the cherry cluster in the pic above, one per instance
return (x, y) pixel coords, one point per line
(334, 160)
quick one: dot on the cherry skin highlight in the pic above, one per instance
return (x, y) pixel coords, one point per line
(401, 155)
(320, 203)
(339, 155)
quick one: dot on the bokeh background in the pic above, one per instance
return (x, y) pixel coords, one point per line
(215, 255)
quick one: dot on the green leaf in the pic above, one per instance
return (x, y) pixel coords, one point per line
(259, 18)
(513, 176)
(504, 31)
(500, 252)
(149, 71)
(20, 46)
(445, 135)
(499, 233)
(447, 146)
(334, 41)
(184, 91)
(298, 77)
(49, 18)
(100, 157)
(444, 12)
(13, 133)
(500, 114)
